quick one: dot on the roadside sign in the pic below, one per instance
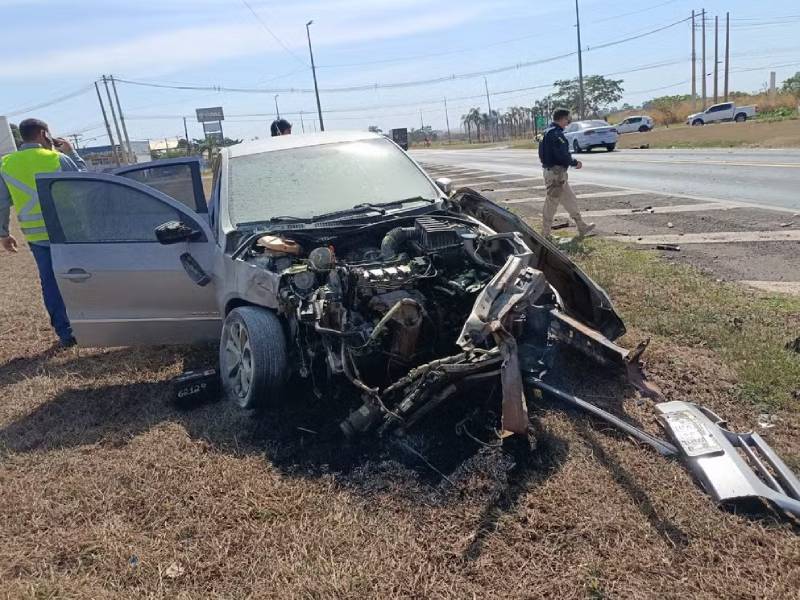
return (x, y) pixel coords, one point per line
(541, 122)
(213, 113)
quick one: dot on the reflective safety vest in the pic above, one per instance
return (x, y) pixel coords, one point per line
(18, 170)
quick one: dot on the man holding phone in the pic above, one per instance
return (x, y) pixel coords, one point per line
(39, 153)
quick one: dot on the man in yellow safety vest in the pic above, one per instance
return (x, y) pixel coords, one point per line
(39, 153)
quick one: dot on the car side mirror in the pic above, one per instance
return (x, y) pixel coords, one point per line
(445, 184)
(174, 232)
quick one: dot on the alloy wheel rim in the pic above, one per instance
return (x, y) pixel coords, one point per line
(238, 360)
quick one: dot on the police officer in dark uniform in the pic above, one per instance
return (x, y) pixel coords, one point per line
(556, 160)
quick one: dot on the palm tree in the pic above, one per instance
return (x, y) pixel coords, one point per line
(474, 117)
(466, 119)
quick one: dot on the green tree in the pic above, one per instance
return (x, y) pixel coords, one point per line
(792, 85)
(598, 93)
(374, 129)
(15, 133)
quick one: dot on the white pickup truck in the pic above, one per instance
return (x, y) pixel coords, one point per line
(727, 111)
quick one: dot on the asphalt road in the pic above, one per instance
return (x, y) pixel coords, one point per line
(767, 177)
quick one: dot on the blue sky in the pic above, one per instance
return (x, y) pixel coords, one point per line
(51, 48)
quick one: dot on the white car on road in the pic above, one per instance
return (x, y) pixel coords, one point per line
(640, 123)
(727, 111)
(585, 135)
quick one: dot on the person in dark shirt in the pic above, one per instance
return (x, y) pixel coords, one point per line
(280, 127)
(556, 160)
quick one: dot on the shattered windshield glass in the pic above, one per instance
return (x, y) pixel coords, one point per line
(308, 181)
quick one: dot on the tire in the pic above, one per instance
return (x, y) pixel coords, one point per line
(644, 129)
(253, 358)
(697, 123)
(740, 118)
(576, 147)
(610, 147)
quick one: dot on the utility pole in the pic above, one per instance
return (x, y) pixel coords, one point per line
(302, 125)
(421, 123)
(489, 103)
(727, 51)
(277, 110)
(716, 59)
(694, 68)
(703, 17)
(186, 133)
(74, 137)
(580, 62)
(122, 120)
(114, 118)
(108, 127)
(447, 120)
(314, 73)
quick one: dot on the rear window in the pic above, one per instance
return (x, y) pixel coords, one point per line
(592, 124)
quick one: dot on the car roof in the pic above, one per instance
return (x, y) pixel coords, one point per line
(301, 140)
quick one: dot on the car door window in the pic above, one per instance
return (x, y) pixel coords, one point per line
(636, 120)
(176, 181)
(92, 211)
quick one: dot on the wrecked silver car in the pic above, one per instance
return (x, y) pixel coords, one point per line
(335, 260)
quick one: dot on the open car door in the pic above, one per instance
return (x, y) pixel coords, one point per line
(178, 178)
(583, 299)
(120, 285)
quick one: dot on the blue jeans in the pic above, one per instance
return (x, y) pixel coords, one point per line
(53, 301)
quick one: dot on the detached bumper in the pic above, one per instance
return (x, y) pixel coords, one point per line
(738, 470)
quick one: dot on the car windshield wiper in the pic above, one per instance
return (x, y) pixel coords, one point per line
(286, 219)
(368, 206)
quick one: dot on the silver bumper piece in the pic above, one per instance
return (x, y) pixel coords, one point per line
(738, 470)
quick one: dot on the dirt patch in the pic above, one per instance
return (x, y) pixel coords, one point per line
(736, 219)
(754, 134)
(757, 261)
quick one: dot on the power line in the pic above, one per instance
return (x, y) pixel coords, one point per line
(72, 94)
(634, 12)
(405, 84)
(269, 31)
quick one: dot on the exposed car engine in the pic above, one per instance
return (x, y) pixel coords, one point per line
(396, 307)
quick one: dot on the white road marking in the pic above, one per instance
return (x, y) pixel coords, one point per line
(659, 210)
(782, 287)
(612, 194)
(718, 237)
(489, 165)
(518, 189)
(489, 176)
(473, 182)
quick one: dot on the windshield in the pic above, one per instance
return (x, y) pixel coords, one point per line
(308, 181)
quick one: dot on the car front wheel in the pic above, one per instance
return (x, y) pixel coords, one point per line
(610, 147)
(253, 357)
(576, 147)
(697, 123)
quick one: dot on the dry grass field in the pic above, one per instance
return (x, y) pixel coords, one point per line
(110, 491)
